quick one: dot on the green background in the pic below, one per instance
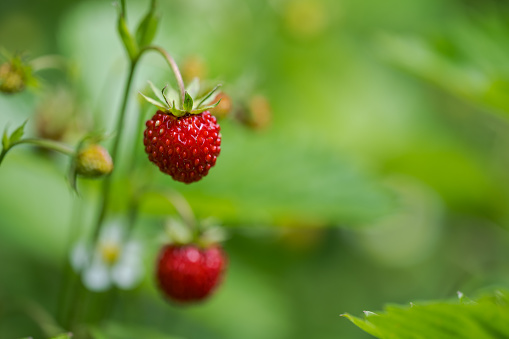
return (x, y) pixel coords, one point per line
(382, 177)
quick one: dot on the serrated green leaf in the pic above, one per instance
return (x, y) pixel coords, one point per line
(130, 43)
(159, 105)
(188, 103)
(193, 88)
(486, 318)
(147, 29)
(18, 133)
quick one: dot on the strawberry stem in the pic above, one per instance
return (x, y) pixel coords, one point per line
(173, 65)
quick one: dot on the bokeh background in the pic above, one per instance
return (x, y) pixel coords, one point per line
(382, 177)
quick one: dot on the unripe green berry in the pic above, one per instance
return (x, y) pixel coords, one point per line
(93, 161)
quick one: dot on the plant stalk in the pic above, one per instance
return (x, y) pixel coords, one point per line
(47, 144)
(106, 187)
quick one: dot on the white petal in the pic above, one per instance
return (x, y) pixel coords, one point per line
(127, 275)
(131, 251)
(79, 256)
(112, 232)
(97, 277)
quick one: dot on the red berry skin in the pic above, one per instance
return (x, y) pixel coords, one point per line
(185, 147)
(187, 273)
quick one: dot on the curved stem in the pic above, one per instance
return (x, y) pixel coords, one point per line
(47, 144)
(173, 66)
(182, 206)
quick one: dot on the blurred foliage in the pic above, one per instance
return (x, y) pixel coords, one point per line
(389, 119)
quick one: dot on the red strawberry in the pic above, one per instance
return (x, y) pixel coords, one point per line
(184, 147)
(187, 273)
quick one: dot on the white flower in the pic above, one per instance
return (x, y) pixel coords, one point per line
(112, 262)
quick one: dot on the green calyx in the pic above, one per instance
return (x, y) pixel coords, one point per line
(203, 234)
(168, 100)
(15, 75)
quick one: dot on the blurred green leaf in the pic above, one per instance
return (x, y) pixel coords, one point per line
(467, 61)
(130, 43)
(263, 179)
(18, 133)
(63, 336)
(147, 29)
(487, 318)
(5, 140)
(122, 331)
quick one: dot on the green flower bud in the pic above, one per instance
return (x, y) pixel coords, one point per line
(12, 77)
(93, 161)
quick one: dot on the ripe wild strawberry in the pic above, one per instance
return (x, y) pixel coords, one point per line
(183, 142)
(188, 273)
(183, 147)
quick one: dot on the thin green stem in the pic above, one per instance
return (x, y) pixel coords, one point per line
(66, 287)
(106, 187)
(173, 66)
(122, 8)
(47, 144)
(182, 206)
(2, 155)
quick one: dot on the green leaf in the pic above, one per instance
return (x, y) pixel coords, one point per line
(63, 336)
(5, 140)
(18, 133)
(130, 43)
(188, 103)
(147, 29)
(488, 317)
